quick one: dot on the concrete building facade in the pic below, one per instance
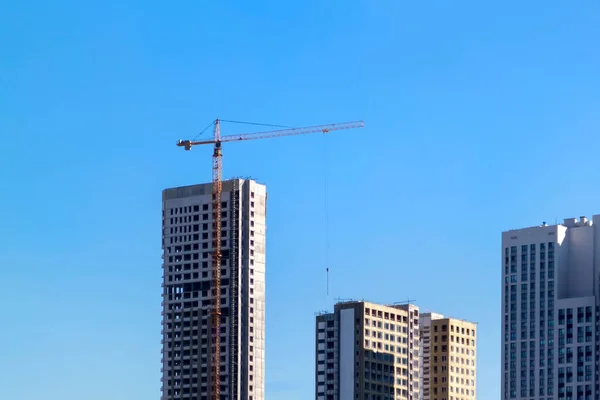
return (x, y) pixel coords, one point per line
(187, 300)
(367, 351)
(449, 358)
(550, 283)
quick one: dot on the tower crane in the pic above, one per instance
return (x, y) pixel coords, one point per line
(217, 188)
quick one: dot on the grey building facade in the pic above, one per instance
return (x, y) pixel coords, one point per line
(187, 300)
(550, 298)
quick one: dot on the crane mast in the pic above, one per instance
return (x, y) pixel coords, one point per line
(215, 329)
(217, 190)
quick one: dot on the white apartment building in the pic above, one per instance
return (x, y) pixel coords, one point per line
(187, 300)
(550, 283)
(367, 351)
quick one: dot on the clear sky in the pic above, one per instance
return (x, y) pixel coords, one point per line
(480, 117)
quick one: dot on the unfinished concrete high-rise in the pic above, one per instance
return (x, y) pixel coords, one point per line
(187, 301)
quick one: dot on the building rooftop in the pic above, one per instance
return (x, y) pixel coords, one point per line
(567, 222)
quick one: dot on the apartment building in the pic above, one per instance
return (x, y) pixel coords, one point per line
(367, 351)
(187, 300)
(550, 283)
(449, 358)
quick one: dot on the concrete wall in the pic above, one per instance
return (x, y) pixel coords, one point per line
(347, 353)
(254, 268)
(580, 275)
(596, 222)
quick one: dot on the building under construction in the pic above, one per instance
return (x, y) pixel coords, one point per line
(188, 245)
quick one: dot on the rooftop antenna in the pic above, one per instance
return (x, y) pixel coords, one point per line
(343, 300)
(328, 281)
(409, 301)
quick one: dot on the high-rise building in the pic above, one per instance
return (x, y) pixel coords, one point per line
(187, 300)
(449, 361)
(367, 351)
(550, 283)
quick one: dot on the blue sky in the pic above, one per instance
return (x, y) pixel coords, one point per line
(480, 117)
